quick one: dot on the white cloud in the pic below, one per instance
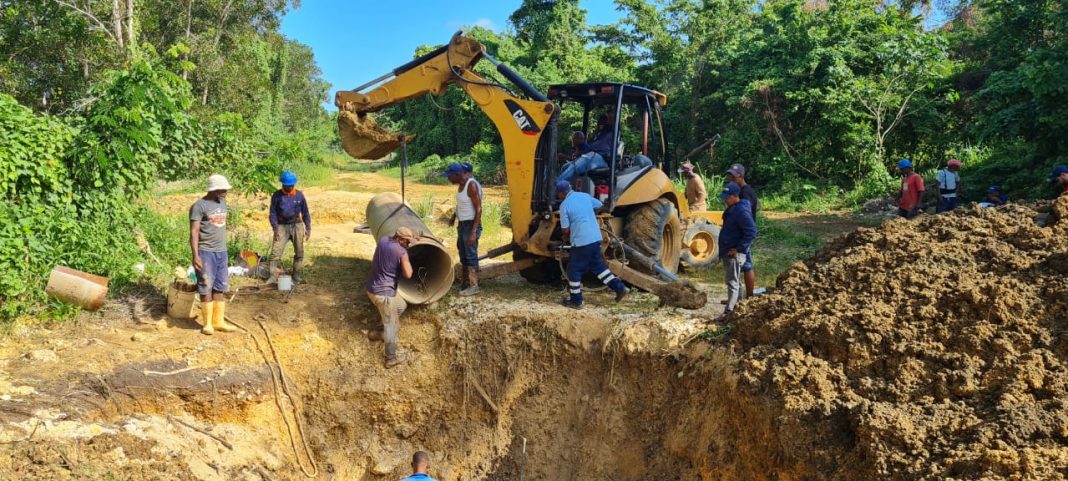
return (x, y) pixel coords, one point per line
(486, 24)
(481, 22)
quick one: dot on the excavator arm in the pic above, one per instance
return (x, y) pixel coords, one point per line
(521, 122)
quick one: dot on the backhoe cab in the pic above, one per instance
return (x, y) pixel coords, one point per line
(648, 223)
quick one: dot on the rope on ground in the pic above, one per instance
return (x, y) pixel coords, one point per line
(202, 431)
(292, 402)
(278, 401)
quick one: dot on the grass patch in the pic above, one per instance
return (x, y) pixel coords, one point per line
(422, 172)
(783, 242)
(311, 174)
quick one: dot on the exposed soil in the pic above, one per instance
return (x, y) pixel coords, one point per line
(926, 349)
(931, 349)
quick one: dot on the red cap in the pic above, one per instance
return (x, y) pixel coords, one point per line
(954, 163)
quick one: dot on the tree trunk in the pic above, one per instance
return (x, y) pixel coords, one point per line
(130, 41)
(188, 27)
(116, 25)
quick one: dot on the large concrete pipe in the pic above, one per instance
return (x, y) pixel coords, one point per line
(431, 264)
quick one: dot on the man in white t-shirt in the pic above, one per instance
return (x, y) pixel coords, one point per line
(948, 186)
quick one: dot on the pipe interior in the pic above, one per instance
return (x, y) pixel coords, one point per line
(431, 274)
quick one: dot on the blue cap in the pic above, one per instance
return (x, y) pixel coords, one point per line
(288, 179)
(730, 189)
(468, 167)
(563, 186)
(1057, 171)
(453, 169)
(904, 164)
(992, 189)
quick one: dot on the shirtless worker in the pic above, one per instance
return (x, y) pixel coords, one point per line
(390, 261)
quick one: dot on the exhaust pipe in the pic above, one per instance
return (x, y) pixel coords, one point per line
(432, 273)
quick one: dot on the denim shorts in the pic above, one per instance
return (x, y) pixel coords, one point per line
(214, 275)
(748, 264)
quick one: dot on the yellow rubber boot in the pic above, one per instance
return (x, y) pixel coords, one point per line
(207, 315)
(219, 320)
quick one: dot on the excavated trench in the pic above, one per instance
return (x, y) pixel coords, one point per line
(531, 397)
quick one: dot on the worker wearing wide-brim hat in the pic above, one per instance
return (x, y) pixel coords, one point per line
(207, 240)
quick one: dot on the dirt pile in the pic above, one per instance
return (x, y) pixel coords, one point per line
(926, 349)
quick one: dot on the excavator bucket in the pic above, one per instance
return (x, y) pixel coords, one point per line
(362, 138)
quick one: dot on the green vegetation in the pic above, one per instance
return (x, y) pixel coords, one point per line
(92, 118)
(819, 99)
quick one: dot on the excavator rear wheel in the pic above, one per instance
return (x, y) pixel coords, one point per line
(655, 230)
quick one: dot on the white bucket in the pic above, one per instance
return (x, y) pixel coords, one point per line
(285, 282)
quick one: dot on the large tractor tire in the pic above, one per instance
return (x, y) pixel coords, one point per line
(545, 272)
(702, 237)
(654, 230)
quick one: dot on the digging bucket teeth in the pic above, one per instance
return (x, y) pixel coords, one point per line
(362, 138)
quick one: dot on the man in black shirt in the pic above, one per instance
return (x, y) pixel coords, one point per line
(736, 174)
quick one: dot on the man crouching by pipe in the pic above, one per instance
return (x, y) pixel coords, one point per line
(389, 261)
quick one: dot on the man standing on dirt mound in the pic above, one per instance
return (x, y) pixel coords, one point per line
(390, 260)
(469, 230)
(908, 201)
(291, 222)
(578, 223)
(736, 174)
(207, 240)
(735, 238)
(420, 466)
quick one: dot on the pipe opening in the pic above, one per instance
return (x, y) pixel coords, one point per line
(431, 274)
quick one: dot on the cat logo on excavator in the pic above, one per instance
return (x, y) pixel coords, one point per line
(522, 118)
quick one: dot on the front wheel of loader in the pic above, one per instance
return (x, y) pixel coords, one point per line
(702, 239)
(654, 229)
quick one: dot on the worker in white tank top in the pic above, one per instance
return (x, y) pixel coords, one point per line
(469, 229)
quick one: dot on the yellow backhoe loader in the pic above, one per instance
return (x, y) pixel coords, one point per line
(648, 225)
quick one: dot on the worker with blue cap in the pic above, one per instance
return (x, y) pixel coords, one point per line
(908, 200)
(736, 237)
(1059, 178)
(579, 226)
(291, 222)
(994, 197)
(469, 228)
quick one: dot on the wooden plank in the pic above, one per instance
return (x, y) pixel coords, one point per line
(497, 270)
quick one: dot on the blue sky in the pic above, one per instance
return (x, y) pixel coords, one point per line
(356, 41)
